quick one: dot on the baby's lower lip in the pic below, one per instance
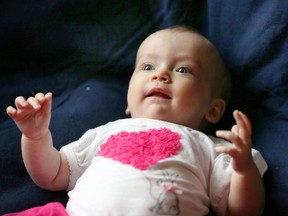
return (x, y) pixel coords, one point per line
(159, 95)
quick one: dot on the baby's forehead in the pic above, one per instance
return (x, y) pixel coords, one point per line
(179, 40)
(174, 33)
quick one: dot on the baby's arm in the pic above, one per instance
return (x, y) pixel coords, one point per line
(247, 195)
(46, 165)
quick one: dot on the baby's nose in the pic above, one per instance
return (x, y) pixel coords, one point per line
(161, 75)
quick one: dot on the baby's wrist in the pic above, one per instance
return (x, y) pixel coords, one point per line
(247, 170)
(34, 137)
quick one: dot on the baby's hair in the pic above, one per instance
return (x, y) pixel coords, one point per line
(183, 28)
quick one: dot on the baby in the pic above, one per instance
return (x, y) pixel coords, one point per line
(158, 162)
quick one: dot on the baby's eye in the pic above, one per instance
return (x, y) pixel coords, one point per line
(148, 67)
(183, 70)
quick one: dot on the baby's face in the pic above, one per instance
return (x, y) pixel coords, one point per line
(171, 80)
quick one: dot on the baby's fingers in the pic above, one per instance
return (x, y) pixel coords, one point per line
(243, 124)
(46, 101)
(23, 107)
(34, 102)
(230, 136)
(11, 111)
(20, 105)
(20, 102)
(40, 97)
(226, 150)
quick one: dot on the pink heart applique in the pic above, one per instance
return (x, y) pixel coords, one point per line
(141, 149)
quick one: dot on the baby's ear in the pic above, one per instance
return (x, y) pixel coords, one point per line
(216, 111)
(127, 111)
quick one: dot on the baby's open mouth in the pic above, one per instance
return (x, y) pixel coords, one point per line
(158, 92)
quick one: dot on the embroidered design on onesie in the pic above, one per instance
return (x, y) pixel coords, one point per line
(167, 202)
(141, 149)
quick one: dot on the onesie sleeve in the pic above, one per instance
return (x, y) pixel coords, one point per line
(221, 176)
(80, 154)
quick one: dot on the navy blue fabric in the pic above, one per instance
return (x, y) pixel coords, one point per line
(83, 51)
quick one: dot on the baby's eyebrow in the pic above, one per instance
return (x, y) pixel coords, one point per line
(192, 60)
(149, 56)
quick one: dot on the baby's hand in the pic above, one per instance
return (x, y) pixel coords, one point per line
(32, 116)
(240, 136)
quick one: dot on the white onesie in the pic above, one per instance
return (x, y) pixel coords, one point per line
(145, 167)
